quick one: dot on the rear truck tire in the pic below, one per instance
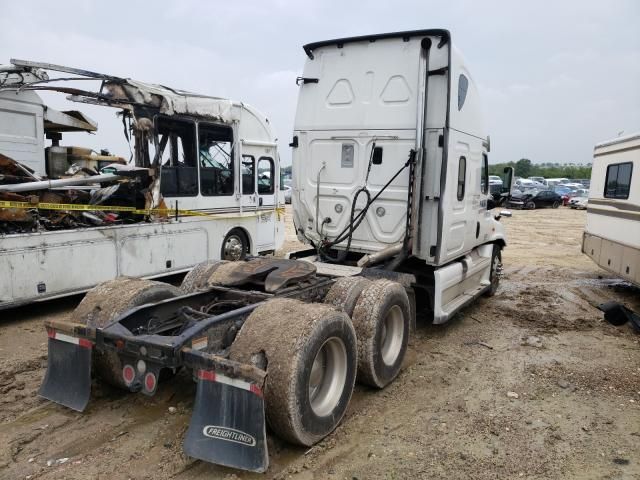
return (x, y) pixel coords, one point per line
(104, 303)
(556, 204)
(530, 205)
(381, 319)
(344, 293)
(198, 276)
(311, 362)
(496, 268)
(235, 245)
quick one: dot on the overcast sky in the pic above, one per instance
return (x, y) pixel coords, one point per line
(556, 77)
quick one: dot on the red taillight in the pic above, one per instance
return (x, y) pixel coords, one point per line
(128, 374)
(150, 382)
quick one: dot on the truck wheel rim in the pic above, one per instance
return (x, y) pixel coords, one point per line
(392, 334)
(327, 377)
(233, 248)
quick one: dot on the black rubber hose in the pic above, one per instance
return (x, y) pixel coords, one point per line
(354, 223)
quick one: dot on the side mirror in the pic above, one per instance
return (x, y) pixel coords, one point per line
(505, 213)
(377, 156)
(507, 180)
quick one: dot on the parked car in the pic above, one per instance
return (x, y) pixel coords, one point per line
(564, 192)
(578, 196)
(543, 198)
(573, 186)
(556, 181)
(524, 184)
(540, 180)
(495, 180)
(579, 203)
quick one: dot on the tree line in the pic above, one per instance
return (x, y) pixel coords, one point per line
(526, 168)
(523, 168)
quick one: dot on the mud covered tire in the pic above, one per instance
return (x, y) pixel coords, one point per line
(381, 319)
(496, 264)
(104, 303)
(199, 275)
(530, 205)
(293, 336)
(345, 292)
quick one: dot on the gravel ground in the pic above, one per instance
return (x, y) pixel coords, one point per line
(531, 383)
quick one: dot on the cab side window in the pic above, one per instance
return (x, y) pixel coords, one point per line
(462, 173)
(215, 151)
(463, 86)
(176, 153)
(266, 175)
(248, 169)
(484, 174)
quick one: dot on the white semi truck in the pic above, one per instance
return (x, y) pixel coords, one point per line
(213, 157)
(391, 191)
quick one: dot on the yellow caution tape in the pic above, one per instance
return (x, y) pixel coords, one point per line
(159, 211)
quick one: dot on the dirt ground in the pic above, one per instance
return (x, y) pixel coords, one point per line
(531, 383)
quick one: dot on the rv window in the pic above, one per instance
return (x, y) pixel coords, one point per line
(175, 151)
(248, 175)
(265, 176)
(618, 180)
(216, 160)
(462, 173)
(463, 85)
(484, 174)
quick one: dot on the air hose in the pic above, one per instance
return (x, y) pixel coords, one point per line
(356, 220)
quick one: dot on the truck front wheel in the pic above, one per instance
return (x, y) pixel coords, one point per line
(310, 354)
(496, 271)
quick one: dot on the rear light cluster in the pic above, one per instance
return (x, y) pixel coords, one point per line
(150, 382)
(150, 379)
(128, 374)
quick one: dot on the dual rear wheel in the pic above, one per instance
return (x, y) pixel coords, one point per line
(315, 352)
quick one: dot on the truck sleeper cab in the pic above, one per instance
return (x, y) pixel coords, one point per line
(365, 104)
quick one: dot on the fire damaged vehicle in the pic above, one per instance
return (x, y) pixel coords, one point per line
(201, 183)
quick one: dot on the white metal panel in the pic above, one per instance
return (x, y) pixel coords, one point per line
(22, 128)
(322, 151)
(469, 118)
(59, 262)
(615, 219)
(363, 85)
(72, 261)
(152, 252)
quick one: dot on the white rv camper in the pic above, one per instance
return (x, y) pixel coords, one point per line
(612, 232)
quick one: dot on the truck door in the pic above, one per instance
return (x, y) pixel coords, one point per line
(266, 180)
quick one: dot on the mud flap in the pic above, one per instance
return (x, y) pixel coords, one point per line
(68, 377)
(228, 423)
